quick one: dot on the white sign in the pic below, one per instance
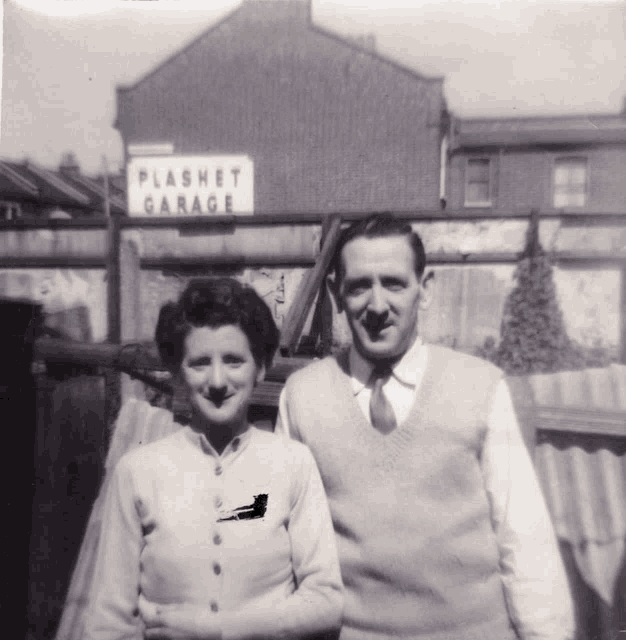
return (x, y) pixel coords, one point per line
(190, 185)
(151, 149)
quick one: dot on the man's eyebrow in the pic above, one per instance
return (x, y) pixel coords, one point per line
(357, 281)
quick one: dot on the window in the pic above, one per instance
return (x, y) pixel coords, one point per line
(478, 182)
(570, 182)
(10, 210)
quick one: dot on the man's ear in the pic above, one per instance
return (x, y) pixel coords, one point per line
(333, 287)
(428, 287)
(260, 374)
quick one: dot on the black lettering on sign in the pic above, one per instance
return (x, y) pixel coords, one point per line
(186, 178)
(212, 204)
(235, 171)
(170, 182)
(219, 178)
(148, 205)
(182, 205)
(203, 177)
(196, 208)
(229, 203)
(165, 208)
(250, 512)
(143, 176)
(156, 183)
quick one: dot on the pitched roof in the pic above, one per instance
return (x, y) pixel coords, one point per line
(28, 181)
(265, 11)
(576, 129)
(331, 125)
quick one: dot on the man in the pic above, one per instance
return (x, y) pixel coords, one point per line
(441, 526)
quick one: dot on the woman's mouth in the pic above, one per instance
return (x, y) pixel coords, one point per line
(218, 397)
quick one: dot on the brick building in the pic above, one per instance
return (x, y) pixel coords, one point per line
(570, 163)
(329, 123)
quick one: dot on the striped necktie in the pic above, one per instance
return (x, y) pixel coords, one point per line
(382, 414)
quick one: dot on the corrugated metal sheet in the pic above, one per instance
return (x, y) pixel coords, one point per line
(580, 457)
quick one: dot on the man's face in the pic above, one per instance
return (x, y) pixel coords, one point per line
(381, 295)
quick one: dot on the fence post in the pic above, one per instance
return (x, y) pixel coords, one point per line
(114, 302)
(18, 410)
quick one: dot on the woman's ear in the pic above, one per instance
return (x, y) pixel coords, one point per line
(260, 374)
(334, 287)
(428, 287)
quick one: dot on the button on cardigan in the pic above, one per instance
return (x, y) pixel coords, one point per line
(246, 534)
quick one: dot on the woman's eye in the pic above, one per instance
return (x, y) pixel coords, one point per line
(199, 364)
(234, 360)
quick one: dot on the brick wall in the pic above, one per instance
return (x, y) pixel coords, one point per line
(329, 125)
(522, 179)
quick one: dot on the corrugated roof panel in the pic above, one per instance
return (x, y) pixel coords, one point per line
(19, 180)
(59, 184)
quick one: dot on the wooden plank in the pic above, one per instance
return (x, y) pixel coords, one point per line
(200, 263)
(301, 306)
(599, 422)
(616, 218)
(52, 262)
(114, 295)
(622, 314)
(133, 355)
(561, 259)
(322, 324)
(464, 215)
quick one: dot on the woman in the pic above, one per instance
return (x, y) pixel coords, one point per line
(220, 530)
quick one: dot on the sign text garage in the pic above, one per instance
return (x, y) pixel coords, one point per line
(190, 185)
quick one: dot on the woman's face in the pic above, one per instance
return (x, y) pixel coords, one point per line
(220, 373)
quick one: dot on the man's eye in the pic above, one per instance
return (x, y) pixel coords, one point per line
(357, 289)
(394, 285)
(234, 360)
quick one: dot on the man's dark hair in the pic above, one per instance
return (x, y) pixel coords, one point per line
(215, 303)
(379, 225)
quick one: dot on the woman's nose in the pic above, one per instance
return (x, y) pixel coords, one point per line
(217, 376)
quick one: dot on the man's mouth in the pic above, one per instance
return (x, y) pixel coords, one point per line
(375, 325)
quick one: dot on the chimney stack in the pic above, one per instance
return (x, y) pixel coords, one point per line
(69, 165)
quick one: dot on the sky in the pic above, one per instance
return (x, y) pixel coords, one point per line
(62, 59)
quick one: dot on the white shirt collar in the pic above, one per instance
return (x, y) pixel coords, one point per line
(408, 370)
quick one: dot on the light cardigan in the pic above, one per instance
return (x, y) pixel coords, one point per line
(185, 525)
(532, 573)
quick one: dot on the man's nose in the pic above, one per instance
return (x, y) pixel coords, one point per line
(378, 301)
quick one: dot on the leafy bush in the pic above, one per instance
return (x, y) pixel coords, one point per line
(533, 335)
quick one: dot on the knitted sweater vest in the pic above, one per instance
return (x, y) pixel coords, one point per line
(418, 555)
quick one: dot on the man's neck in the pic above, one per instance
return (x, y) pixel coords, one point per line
(361, 367)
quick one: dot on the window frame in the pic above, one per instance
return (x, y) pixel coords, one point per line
(10, 210)
(562, 159)
(478, 204)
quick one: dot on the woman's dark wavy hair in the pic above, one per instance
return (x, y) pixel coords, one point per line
(215, 303)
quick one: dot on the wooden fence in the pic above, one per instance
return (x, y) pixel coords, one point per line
(73, 413)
